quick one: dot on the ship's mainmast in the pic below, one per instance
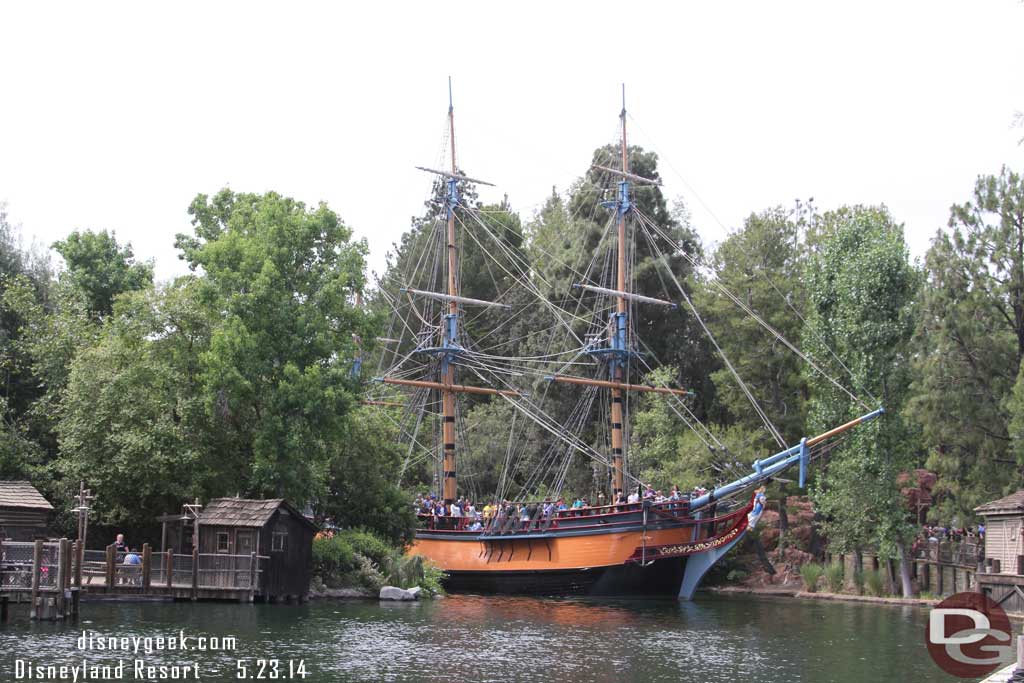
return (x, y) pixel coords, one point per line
(449, 347)
(449, 327)
(620, 330)
(619, 350)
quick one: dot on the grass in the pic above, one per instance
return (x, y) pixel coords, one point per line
(834, 577)
(875, 583)
(810, 573)
(858, 582)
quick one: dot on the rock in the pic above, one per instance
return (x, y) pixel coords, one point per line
(394, 593)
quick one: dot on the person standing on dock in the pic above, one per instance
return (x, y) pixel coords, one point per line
(132, 559)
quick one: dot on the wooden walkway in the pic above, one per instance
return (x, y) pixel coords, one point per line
(54, 575)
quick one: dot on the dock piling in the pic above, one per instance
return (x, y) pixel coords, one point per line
(195, 573)
(37, 560)
(60, 604)
(110, 569)
(147, 565)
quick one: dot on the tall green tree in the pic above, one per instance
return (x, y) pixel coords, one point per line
(278, 371)
(671, 337)
(132, 419)
(861, 293)
(25, 276)
(969, 345)
(362, 490)
(667, 452)
(102, 268)
(762, 265)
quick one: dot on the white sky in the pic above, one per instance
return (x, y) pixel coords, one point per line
(116, 115)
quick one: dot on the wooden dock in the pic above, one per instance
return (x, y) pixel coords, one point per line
(53, 575)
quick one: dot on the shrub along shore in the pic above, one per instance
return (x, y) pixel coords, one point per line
(357, 563)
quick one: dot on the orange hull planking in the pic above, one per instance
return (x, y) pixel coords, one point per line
(566, 552)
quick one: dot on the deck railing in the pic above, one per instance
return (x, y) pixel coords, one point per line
(17, 565)
(22, 570)
(962, 553)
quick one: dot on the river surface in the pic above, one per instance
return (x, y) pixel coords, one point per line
(468, 638)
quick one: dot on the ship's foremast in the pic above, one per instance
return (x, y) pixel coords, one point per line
(449, 327)
(620, 330)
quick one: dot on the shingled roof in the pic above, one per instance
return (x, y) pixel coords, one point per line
(1011, 504)
(21, 494)
(244, 512)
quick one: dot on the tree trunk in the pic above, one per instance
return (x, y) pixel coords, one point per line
(816, 540)
(783, 522)
(762, 556)
(908, 588)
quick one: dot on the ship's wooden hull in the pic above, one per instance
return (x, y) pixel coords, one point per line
(560, 562)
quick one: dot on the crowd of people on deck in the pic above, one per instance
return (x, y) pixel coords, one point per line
(941, 533)
(474, 517)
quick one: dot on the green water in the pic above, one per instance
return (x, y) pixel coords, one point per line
(466, 638)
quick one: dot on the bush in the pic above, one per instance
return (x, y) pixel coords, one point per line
(834, 577)
(810, 573)
(875, 583)
(333, 558)
(368, 545)
(432, 578)
(359, 558)
(368, 574)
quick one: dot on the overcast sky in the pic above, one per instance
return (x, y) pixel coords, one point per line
(116, 115)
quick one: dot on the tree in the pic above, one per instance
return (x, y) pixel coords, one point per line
(666, 452)
(762, 265)
(363, 472)
(671, 337)
(132, 419)
(278, 371)
(27, 273)
(861, 294)
(969, 344)
(102, 268)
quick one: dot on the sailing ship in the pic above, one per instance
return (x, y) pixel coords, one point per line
(628, 546)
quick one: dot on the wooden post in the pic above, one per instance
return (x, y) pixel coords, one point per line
(37, 560)
(253, 576)
(110, 569)
(169, 568)
(79, 558)
(4, 613)
(63, 554)
(195, 573)
(147, 565)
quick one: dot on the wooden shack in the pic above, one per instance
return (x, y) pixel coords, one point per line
(1004, 540)
(1001, 575)
(269, 528)
(24, 513)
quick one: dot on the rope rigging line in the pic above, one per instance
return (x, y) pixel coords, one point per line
(728, 363)
(753, 314)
